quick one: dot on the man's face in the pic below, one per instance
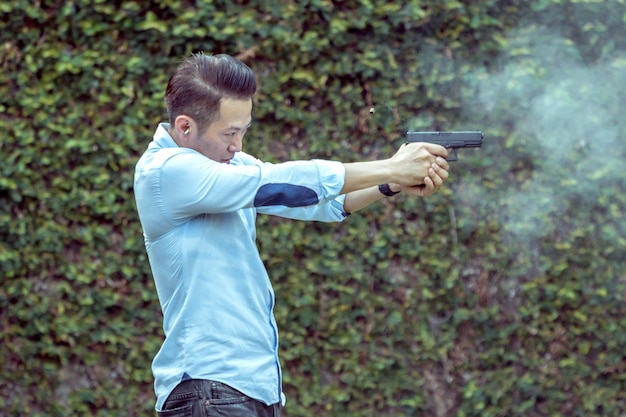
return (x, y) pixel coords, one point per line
(224, 137)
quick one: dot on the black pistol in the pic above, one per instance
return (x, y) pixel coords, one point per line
(449, 140)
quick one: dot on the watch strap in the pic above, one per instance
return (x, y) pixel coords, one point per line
(384, 189)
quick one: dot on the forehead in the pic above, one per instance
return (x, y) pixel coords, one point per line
(235, 112)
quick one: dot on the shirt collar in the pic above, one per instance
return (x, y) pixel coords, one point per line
(162, 138)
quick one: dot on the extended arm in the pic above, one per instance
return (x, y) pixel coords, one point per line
(408, 167)
(437, 174)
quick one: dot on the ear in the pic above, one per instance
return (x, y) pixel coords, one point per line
(183, 125)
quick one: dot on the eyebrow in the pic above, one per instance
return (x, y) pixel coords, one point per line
(237, 128)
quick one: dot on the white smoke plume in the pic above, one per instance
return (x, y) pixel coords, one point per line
(560, 128)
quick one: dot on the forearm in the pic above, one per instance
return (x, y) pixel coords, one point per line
(357, 200)
(363, 175)
(408, 167)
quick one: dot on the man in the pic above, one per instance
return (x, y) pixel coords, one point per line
(197, 195)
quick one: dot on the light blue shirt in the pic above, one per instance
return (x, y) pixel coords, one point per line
(198, 218)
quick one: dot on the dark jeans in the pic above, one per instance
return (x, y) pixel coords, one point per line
(200, 398)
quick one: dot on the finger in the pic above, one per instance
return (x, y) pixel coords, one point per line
(431, 148)
(435, 177)
(429, 188)
(442, 163)
(437, 150)
(440, 172)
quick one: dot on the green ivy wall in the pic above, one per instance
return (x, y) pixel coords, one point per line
(502, 295)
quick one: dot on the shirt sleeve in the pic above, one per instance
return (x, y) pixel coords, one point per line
(329, 211)
(192, 184)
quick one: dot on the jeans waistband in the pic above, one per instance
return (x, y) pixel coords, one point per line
(200, 388)
(192, 386)
(206, 390)
(200, 393)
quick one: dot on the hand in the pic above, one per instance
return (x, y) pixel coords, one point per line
(437, 174)
(413, 162)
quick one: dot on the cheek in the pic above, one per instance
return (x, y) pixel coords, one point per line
(214, 149)
(207, 144)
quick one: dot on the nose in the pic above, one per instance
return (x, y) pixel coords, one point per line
(236, 145)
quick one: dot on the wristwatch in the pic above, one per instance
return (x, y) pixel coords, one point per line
(384, 189)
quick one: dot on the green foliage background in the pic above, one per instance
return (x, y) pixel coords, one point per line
(502, 295)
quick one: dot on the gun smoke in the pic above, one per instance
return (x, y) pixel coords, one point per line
(560, 127)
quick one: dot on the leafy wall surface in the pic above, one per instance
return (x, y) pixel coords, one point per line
(502, 295)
